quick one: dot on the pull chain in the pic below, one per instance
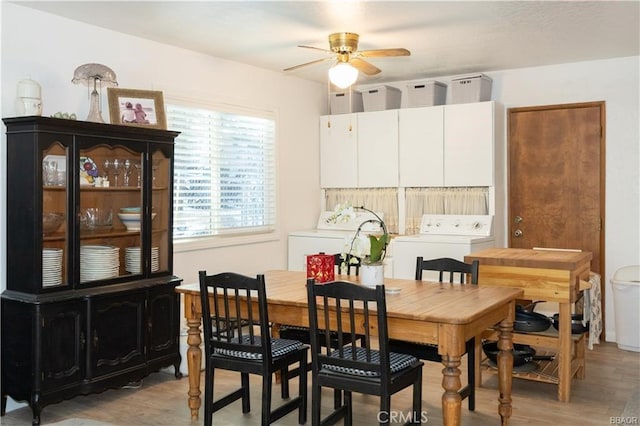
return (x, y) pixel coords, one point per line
(329, 102)
(350, 109)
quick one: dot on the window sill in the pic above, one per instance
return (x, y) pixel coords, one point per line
(205, 243)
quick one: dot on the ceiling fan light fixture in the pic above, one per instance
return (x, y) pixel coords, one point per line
(343, 75)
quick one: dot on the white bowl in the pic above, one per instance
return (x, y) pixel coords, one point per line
(131, 221)
(134, 210)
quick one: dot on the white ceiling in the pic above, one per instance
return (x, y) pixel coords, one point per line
(444, 37)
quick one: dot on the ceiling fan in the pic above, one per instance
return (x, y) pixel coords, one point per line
(344, 50)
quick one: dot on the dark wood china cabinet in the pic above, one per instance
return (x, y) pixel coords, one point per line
(89, 302)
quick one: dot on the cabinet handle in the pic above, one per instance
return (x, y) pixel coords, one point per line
(95, 339)
(83, 340)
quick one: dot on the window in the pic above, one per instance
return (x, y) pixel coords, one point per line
(224, 174)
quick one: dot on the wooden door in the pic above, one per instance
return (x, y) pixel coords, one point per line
(556, 178)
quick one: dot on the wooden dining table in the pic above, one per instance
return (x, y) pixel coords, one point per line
(420, 311)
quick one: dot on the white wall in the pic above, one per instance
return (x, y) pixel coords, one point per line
(48, 49)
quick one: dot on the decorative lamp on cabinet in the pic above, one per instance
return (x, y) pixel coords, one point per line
(95, 76)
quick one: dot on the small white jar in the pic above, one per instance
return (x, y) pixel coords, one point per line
(29, 99)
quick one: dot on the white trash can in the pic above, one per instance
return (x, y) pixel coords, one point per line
(626, 299)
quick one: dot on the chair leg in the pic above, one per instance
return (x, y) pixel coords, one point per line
(417, 399)
(316, 394)
(302, 390)
(284, 383)
(246, 401)
(385, 409)
(348, 402)
(208, 395)
(266, 398)
(471, 373)
(337, 398)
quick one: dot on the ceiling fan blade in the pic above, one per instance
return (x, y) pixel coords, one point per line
(364, 66)
(378, 53)
(317, 61)
(316, 48)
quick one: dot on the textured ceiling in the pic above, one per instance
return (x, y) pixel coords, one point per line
(445, 38)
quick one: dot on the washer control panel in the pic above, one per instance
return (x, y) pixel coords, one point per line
(440, 224)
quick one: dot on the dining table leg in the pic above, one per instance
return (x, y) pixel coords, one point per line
(505, 368)
(194, 363)
(451, 400)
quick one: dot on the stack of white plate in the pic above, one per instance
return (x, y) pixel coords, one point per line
(51, 267)
(99, 262)
(133, 262)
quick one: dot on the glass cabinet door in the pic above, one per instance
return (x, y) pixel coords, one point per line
(55, 236)
(111, 213)
(160, 211)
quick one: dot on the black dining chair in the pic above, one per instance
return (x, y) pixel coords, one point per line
(244, 351)
(349, 261)
(449, 270)
(354, 310)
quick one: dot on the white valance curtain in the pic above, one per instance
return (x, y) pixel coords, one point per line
(464, 200)
(383, 200)
(418, 201)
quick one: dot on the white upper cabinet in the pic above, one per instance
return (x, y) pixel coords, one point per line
(469, 144)
(339, 151)
(421, 146)
(438, 146)
(378, 149)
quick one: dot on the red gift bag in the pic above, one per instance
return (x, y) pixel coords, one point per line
(320, 267)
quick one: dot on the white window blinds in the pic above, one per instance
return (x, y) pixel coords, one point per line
(224, 174)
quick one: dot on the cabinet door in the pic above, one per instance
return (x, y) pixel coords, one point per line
(339, 151)
(55, 216)
(421, 146)
(62, 353)
(111, 210)
(378, 149)
(163, 322)
(161, 254)
(117, 336)
(469, 144)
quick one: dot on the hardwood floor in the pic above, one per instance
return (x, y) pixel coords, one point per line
(611, 389)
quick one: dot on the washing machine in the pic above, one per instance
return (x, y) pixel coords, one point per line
(441, 236)
(330, 237)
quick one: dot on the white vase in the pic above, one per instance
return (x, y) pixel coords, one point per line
(372, 274)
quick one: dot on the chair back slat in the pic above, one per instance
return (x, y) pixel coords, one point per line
(350, 261)
(449, 269)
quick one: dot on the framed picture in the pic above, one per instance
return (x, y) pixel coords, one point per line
(131, 107)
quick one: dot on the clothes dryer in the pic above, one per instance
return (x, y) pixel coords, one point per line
(442, 236)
